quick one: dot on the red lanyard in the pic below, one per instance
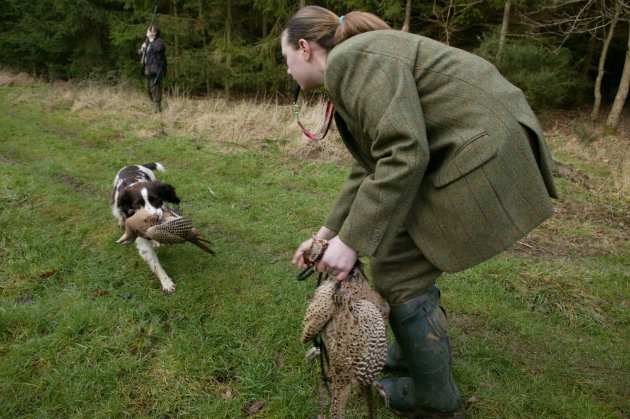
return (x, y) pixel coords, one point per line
(330, 111)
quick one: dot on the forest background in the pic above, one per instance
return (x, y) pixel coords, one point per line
(562, 53)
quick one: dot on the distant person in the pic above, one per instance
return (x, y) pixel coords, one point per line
(450, 167)
(154, 66)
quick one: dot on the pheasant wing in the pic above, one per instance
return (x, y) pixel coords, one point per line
(369, 342)
(175, 230)
(319, 310)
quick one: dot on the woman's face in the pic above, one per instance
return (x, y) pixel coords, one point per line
(301, 65)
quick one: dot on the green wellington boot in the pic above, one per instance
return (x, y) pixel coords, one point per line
(422, 336)
(157, 107)
(395, 361)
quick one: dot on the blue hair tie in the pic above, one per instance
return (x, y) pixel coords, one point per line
(341, 20)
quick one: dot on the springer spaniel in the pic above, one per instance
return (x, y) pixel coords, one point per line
(136, 187)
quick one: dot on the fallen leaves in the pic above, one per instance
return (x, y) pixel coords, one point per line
(23, 300)
(473, 399)
(253, 408)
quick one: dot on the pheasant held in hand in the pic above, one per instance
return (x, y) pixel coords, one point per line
(352, 321)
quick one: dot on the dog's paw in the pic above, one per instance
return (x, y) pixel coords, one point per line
(169, 288)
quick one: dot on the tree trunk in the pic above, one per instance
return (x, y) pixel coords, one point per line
(228, 42)
(407, 23)
(205, 71)
(625, 175)
(597, 93)
(504, 29)
(265, 27)
(622, 92)
(586, 69)
(176, 46)
(446, 23)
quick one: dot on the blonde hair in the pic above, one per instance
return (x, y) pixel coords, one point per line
(316, 24)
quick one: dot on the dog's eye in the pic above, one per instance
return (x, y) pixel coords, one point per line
(132, 211)
(156, 201)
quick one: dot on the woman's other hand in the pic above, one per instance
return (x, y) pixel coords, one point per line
(338, 260)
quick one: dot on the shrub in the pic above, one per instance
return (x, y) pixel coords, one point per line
(546, 77)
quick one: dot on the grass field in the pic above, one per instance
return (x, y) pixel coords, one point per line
(541, 331)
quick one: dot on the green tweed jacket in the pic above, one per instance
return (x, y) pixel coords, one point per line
(443, 146)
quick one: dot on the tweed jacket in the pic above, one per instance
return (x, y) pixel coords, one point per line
(443, 146)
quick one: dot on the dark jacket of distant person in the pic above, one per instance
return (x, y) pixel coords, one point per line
(155, 56)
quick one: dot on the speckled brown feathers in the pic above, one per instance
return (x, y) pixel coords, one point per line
(352, 320)
(171, 229)
(178, 230)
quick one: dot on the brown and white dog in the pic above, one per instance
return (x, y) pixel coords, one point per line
(136, 187)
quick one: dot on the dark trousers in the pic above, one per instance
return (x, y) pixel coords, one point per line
(154, 91)
(404, 273)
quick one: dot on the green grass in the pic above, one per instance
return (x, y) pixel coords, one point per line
(85, 330)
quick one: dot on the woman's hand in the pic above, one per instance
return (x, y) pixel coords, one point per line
(298, 258)
(338, 260)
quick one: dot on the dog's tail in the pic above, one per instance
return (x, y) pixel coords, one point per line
(155, 166)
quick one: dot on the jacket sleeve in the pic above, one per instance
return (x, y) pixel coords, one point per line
(341, 208)
(380, 95)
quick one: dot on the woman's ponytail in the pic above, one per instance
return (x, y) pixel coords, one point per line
(322, 26)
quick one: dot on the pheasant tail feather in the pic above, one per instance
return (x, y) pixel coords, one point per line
(198, 242)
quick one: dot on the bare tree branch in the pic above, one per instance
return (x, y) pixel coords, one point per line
(566, 18)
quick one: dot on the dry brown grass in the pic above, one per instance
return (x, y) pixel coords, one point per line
(228, 123)
(251, 123)
(589, 143)
(255, 122)
(592, 216)
(17, 80)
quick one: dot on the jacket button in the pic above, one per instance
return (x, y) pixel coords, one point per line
(375, 237)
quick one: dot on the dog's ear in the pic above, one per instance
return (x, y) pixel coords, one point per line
(166, 192)
(125, 201)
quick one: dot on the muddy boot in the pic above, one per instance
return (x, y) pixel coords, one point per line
(395, 361)
(422, 335)
(157, 107)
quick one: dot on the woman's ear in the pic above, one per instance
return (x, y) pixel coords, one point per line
(305, 48)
